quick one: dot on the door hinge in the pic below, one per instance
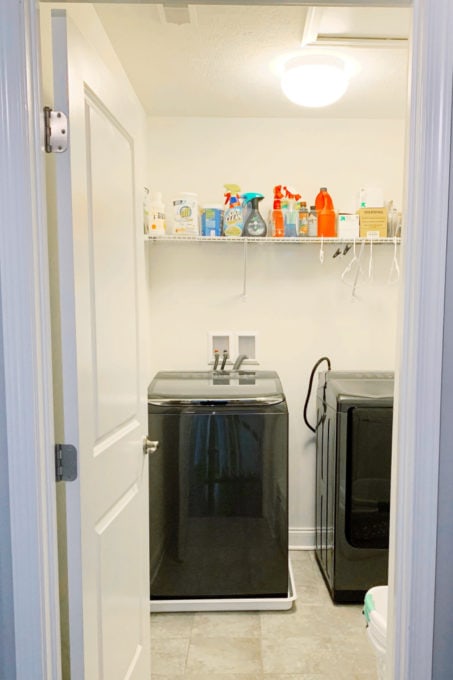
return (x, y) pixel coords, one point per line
(55, 131)
(65, 462)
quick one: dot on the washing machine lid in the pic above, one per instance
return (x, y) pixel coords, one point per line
(357, 385)
(225, 387)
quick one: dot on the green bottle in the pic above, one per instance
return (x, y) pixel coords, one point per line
(254, 224)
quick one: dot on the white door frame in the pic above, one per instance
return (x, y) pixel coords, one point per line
(27, 395)
(27, 461)
(415, 470)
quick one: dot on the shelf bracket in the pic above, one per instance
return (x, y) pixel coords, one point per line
(244, 271)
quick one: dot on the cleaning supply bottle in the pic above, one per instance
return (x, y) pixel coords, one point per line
(303, 219)
(291, 215)
(326, 214)
(157, 215)
(278, 220)
(254, 224)
(312, 222)
(233, 223)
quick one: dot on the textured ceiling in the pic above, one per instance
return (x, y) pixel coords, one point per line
(224, 61)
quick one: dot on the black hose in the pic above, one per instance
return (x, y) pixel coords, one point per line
(310, 385)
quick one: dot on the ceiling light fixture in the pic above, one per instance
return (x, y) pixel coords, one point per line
(315, 80)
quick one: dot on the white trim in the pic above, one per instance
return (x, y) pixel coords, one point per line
(26, 350)
(302, 538)
(311, 26)
(67, 419)
(418, 384)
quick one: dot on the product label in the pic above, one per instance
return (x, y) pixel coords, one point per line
(303, 224)
(185, 216)
(156, 222)
(233, 222)
(211, 222)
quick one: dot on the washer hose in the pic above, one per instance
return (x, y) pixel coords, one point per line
(310, 385)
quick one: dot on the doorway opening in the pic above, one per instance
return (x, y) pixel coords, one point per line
(186, 127)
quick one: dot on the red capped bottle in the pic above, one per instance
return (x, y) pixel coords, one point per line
(326, 214)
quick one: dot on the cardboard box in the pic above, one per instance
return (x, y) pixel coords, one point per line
(373, 222)
(347, 226)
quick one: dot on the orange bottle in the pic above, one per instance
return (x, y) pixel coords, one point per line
(278, 220)
(326, 214)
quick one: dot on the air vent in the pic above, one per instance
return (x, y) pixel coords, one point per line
(177, 13)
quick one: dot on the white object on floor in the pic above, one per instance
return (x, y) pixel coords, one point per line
(233, 604)
(375, 612)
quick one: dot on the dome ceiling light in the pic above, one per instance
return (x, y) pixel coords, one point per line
(315, 80)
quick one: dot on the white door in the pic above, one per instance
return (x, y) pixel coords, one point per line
(101, 284)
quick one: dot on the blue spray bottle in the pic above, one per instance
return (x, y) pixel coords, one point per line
(254, 224)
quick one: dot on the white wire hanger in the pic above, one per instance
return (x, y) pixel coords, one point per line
(394, 273)
(371, 262)
(353, 270)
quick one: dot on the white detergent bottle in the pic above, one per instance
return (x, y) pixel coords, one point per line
(156, 215)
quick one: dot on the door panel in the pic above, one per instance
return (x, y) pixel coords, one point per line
(110, 164)
(101, 275)
(121, 615)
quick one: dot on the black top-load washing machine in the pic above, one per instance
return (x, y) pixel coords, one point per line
(353, 464)
(218, 485)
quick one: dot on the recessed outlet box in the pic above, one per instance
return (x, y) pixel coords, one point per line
(235, 343)
(220, 341)
(246, 344)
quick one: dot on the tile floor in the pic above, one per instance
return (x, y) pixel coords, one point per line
(315, 640)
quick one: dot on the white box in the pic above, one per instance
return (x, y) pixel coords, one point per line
(348, 226)
(370, 197)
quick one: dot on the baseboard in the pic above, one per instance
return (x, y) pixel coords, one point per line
(302, 538)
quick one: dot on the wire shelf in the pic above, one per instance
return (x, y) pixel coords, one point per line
(301, 240)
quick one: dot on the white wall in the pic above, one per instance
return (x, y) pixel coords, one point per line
(300, 308)
(201, 154)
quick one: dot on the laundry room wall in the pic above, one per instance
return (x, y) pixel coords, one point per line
(300, 308)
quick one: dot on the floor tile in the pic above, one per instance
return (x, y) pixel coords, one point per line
(295, 655)
(171, 625)
(223, 676)
(300, 556)
(305, 571)
(228, 624)
(168, 657)
(313, 593)
(292, 676)
(315, 640)
(311, 619)
(354, 663)
(217, 655)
